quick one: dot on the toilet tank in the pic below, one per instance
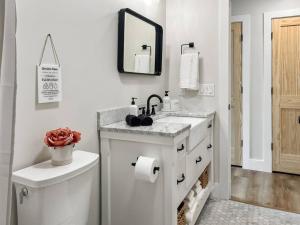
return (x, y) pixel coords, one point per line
(55, 195)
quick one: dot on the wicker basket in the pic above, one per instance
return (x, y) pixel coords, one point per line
(181, 214)
(204, 178)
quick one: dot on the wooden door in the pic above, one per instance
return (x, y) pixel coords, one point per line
(286, 94)
(236, 94)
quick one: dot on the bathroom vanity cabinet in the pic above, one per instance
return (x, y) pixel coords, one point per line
(183, 152)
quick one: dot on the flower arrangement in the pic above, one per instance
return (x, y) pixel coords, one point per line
(61, 137)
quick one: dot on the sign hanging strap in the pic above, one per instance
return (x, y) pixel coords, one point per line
(49, 37)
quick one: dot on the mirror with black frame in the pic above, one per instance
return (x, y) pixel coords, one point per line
(140, 44)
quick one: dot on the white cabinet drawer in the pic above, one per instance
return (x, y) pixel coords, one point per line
(197, 160)
(181, 179)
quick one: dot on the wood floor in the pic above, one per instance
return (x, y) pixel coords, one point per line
(272, 190)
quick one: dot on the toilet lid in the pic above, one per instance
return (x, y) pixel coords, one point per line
(45, 174)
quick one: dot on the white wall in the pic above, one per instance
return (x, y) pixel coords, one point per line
(198, 21)
(193, 21)
(256, 8)
(85, 34)
(7, 104)
(2, 9)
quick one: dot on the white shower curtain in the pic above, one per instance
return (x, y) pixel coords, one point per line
(7, 107)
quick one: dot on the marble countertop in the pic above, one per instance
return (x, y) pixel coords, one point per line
(157, 128)
(202, 114)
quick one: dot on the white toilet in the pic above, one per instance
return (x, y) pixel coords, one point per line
(55, 195)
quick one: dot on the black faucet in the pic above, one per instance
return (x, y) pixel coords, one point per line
(148, 102)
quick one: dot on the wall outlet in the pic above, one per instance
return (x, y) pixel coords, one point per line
(207, 90)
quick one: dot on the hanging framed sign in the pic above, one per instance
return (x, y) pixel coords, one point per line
(49, 77)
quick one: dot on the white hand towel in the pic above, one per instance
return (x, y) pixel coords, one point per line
(198, 183)
(190, 203)
(190, 195)
(142, 64)
(199, 196)
(189, 71)
(189, 215)
(198, 190)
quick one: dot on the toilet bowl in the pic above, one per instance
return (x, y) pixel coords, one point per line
(55, 195)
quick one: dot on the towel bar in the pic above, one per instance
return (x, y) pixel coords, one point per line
(191, 45)
(144, 47)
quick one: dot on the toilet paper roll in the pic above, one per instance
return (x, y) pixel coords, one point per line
(144, 169)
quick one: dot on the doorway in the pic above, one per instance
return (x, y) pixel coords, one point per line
(270, 179)
(240, 91)
(236, 93)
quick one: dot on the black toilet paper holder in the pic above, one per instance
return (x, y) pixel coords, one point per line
(156, 168)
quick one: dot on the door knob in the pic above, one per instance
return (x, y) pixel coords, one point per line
(299, 119)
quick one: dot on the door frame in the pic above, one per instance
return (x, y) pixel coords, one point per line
(246, 53)
(223, 163)
(266, 164)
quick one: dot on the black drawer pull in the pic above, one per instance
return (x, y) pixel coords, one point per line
(209, 146)
(181, 180)
(180, 149)
(199, 159)
(209, 126)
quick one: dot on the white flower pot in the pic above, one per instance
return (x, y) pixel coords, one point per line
(62, 155)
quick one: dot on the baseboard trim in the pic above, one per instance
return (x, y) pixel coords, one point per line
(218, 192)
(258, 165)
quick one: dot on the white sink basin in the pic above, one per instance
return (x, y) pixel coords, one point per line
(186, 120)
(198, 128)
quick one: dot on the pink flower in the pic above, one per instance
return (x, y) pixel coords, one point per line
(61, 137)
